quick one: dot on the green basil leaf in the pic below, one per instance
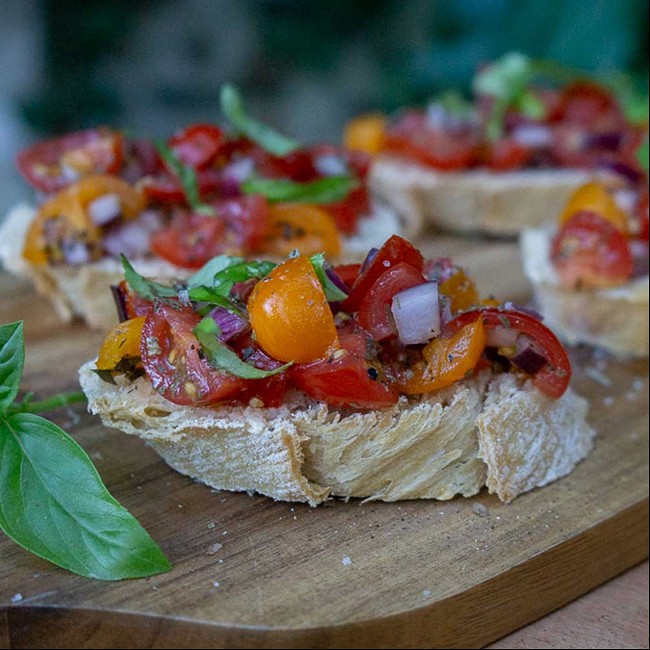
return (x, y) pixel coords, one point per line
(12, 360)
(187, 176)
(642, 154)
(223, 358)
(265, 136)
(213, 297)
(205, 275)
(454, 104)
(323, 190)
(332, 292)
(54, 504)
(145, 288)
(530, 105)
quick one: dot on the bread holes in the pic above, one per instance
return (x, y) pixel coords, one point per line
(156, 413)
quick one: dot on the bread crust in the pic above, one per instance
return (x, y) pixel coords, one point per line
(476, 200)
(446, 444)
(615, 319)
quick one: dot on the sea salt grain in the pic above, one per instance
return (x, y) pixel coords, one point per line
(215, 584)
(215, 548)
(426, 593)
(16, 598)
(480, 510)
(346, 561)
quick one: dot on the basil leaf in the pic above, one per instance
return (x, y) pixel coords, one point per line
(454, 104)
(265, 136)
(54, 504)
(223, 358)
(213, 296)
(322, 190)
(145, 288)
(205, 275)
(12, 360)
(332, 292)
(642, 154)
(187, 176)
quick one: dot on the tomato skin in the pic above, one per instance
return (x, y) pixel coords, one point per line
(345, 378)
(131, 303)
(374, 311)
(589, 251)
(506, 155)
(593, 197)
(197, 145)
(348, 273)
(166, 188)
(123, 341)
(553, 379)
(247, 221)
(412, 137)
(170, 355)
(346, 213)
(588, 104)
(191, 241)
(94, 151)
(395, 250)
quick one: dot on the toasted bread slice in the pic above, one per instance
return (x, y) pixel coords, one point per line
(494, 431)
(473, 201)
(615, 318)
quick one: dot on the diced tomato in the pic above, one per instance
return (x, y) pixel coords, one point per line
(123, 341)
(366, 133)
(348, 273)
(346, 213)
(170, 355)
(588, 104)
(166, 188)
(51, 165)
(375, 309)
(247, 222)
(297, 165)
(395, 250)
(553, 378)
(589, 251)
(593, 197)
(506, 154)
(197, 145)
(190, 241)
(413, 138)
(131, 303)
(351, 376)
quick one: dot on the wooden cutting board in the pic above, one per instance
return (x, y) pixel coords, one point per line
(249, 572)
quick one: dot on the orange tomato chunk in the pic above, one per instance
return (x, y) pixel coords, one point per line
(290, 315)
(366, 133)
(461, 290)
(593, 197)
(122, 342)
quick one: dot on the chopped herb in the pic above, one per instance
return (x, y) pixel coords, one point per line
(332, 292)
(323, 190)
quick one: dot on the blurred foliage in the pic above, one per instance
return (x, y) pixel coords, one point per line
(407, 50)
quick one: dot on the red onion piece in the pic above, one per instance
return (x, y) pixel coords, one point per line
(104, 209)
(621, 169)
(120, 302)
(372, 253)
(131, 238)
(336, 278)
(528, 357)
(416, 312)
(609, 140)
(536, 136)
(230, 323)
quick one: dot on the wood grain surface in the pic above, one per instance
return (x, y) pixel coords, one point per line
(249, 572)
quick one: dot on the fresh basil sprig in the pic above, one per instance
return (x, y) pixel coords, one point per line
(264, 135)
(642, 154)
(332, 292)
(323, 190)
(52, 500)
(187, 176)
(145, 288)
(223, 358)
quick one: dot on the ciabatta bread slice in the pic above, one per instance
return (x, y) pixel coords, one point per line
(494, 431)
(476, 200)
(615, 318)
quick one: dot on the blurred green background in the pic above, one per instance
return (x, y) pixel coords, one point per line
(306, 66)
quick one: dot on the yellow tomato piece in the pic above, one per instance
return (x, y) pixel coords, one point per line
(595, 198)
(67, 214)
(290, 315)
(366, 133)
(122, 342)
(461, 290)
(308, 228)
(447, 360)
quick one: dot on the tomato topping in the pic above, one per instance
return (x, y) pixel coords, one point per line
(297, 165)
(461, 290)
(350, 376)
(438, 148)
(589, 251)
(170, 355)
(247, 222)
(131, 305)
(122, 342)
(593, 197)
(290, 315)
(308, 228)
(366, 133)
(448, 360)
(588, 104)
(51, 165)
(374, 313)
(553, 378)
(197, 145)
(346, 213)
(190, 241)
(348, 273)
(395, 250)
(506, 154)
(166, 188)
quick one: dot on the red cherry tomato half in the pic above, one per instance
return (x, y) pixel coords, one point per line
(348, 377)
(588, 104)
(346, 213)
(247, 222)
(374, 312)
(348, 273)
(589, 250)
(506, 154)
(170, 355)
(395, 250)
(413, 138)
(190, 241)
(197, 145)
(552, 379)
(166, 188)
(51, 165)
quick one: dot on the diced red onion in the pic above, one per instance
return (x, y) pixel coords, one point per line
(130, 238)
(372, 253)
(336, 278)
(120, 302)
(331, 165)
(416, 312)
(76, 252)
(104, 209)
(230, 323)
(151, 219)
(239, 170)
(536, 136)
(621, 169)
(527, 358)
(610, 140)
(626, 199)
(639, 250)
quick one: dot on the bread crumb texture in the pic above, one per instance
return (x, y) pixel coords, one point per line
(492, 431)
